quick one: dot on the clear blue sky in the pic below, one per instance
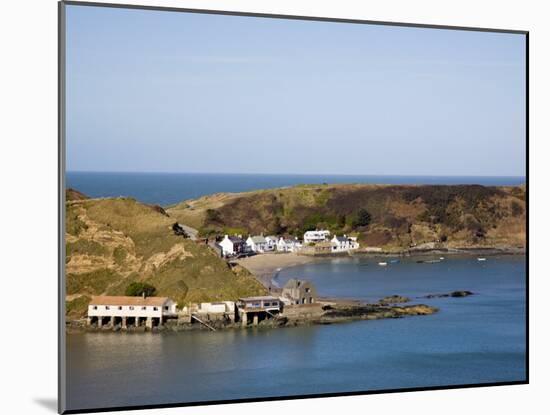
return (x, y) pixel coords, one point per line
(178, 92)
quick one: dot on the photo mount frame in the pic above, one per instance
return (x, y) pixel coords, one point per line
(62, 364)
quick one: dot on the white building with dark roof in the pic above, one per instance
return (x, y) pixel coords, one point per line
(257, 308)
(259, 244)
(344, 243)
(288, 245)
(272, 240)
(232, 245)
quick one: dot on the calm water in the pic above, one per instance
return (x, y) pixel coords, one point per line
(476, 339)
(169, 188)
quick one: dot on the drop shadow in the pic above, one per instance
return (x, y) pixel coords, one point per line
(48, 403)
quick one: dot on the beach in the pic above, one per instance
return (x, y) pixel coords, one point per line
(265, 266)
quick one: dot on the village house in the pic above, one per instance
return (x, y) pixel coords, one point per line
(257, 308)
(344, 243)
(232, 245)
(316, 236)
(271, 241)
(299, 292)
(113, 310)
(259, 244)
(288, 245)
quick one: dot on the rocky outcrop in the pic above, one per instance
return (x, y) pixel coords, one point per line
(374, 312)
(394, 299)
(462, 293)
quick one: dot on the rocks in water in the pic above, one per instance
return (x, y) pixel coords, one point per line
(375, 311)
(416, 310)
(461, 293)
(394, 299)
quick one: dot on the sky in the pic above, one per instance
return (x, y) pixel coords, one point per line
(157, 91)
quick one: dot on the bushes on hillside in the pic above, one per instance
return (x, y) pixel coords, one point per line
(362, 218)
(517, 209)
(137, 289)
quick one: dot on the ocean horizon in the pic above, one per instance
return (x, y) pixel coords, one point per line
(166, 189)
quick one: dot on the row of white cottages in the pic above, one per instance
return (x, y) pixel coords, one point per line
(234, 245)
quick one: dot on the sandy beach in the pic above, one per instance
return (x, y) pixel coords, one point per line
(264, 266)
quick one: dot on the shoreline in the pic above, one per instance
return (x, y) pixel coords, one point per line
(465, 251)
(321, 313)
(266, 267)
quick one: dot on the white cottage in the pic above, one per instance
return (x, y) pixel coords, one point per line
(271, 241)
(258, 244)
(316, 236)
(130, 310)
(288, 245)
(232, 245)
(344, 243)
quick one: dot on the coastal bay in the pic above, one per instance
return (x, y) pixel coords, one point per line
(483, 335)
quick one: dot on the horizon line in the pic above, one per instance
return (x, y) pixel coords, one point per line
(293, 174)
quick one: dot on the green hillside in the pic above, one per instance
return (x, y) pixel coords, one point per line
(390, 216)
(111, 243)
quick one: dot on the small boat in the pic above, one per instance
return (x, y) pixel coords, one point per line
(394, 261)
(382, 264)
(482, 259)
(442, 258)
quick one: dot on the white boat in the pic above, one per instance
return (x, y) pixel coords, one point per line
(482, 259)
(442, 258)
(382, 264)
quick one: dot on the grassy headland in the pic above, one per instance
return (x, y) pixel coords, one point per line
(111, 243)
(397, 217)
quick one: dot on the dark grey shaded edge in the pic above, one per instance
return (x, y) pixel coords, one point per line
(61, 337)
(527, 202)
(293, 17)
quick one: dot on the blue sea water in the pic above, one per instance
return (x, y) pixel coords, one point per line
(475, 339)
(169, 188)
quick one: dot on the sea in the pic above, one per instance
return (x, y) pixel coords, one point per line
(477, 339)
(166, 189)
(471, 340)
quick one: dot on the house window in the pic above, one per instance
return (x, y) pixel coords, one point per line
(131, 307)
(308, 290)
(95, 307)
(155, 308)
(120, 307)
(144, 308)
(107, 307)
(166, 307)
